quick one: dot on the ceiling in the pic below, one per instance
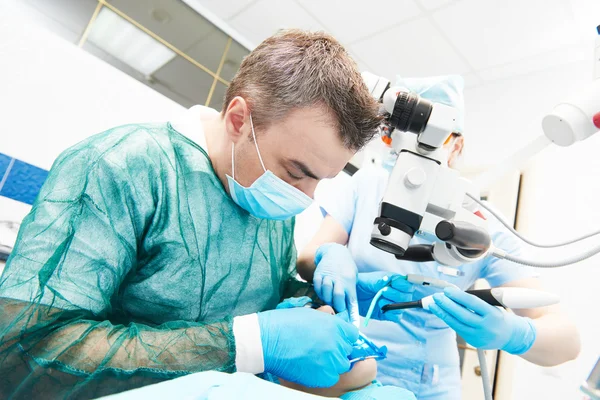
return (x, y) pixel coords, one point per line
(484, 40)
(518, 57)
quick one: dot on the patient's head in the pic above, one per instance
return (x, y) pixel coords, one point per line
(361, 375)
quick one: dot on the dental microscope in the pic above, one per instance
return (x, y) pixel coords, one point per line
(424, 197)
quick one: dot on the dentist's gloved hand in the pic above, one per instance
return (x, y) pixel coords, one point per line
(335, 278)
(482, 325)
(397, 290)
(306, 347)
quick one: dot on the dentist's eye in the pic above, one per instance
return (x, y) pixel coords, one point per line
(294, 176)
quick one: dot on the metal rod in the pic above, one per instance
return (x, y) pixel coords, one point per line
(221, 63)
(88, 28)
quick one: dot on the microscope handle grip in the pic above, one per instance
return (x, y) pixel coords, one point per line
(465, 236)
(486, 295)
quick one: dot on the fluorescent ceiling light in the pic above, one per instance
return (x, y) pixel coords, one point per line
(126, 42)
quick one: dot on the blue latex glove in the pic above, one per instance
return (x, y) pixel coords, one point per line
(335, 279)
(482, 325)
(397, 290)
(306, 347)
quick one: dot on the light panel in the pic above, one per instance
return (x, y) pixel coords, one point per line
(129, 44)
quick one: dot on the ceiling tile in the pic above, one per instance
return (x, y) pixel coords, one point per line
(397, 52)
(489, 33)
(350, 20)
(225, 9)
(472, 80)
(361, 64)
(234, 58)
(185, 79)
(266, 17)
(172, 20)
(577, 53)
(433, 4)
(208, 51)
(362, 67)
(218, 96)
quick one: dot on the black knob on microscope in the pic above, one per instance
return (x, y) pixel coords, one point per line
(384, 228)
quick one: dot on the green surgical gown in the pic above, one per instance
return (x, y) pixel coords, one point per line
(130, 267)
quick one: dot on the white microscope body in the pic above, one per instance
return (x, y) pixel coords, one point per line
(422, 190)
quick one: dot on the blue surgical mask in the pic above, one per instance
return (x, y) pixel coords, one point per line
(269, 197)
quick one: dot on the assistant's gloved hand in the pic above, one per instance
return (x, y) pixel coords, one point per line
(397, 290)
(335, 278)
(306, 347)
(482, 325)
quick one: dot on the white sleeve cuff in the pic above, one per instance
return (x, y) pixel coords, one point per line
(248, 346)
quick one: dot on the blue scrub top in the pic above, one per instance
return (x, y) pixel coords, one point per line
(422, 351)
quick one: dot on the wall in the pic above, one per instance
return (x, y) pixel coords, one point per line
(53, 95)
(559, 201)
(560, 189)
(504, 115)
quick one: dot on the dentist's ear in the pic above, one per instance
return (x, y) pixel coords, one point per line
(237, 115)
